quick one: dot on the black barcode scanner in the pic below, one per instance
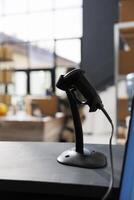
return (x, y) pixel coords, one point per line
(75, 80)
(72, 82)
(75, 84)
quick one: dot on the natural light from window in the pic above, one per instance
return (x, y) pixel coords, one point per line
(40, 29)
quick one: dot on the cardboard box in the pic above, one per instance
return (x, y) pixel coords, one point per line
(126, 62)
(5, 98)
(6, 76)
(123, 111)
(126, 11)
(1, 76)
(47, 105)
(6, 53)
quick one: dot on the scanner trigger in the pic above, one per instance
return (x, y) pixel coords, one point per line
(77, 95)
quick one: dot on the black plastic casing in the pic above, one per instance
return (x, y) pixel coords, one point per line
(76, 79)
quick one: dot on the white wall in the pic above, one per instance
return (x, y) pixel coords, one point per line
(96, 122)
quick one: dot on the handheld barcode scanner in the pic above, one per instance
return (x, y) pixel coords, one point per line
(76, 80)
(75, 83)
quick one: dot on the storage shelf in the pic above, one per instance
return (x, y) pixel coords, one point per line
(124, 62)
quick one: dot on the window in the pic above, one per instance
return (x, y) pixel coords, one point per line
(40, 26)
(20, 80)
(16, 27)
(67, 23)
(69, 50)
(14, 6)
(67, 4)
(40, 5)
(41, 54)
(40, 82)
(44, 35)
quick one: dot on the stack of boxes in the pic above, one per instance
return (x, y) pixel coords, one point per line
(6, 56)
(5, 80)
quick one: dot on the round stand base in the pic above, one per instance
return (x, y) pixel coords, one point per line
(89, 159)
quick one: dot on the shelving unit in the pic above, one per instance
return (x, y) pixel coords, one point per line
(124, 62)
(124, 65)
(6, 57)
(5, 80)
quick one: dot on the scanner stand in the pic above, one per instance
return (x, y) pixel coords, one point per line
(80, 156)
